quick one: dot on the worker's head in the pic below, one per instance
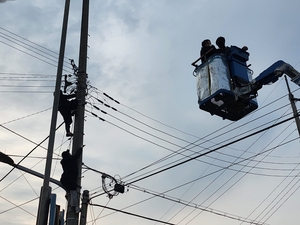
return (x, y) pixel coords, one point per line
(206, 42)
(220, 42)
(66, 154)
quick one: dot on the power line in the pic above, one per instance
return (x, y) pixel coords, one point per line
(17, 206)
(153, 128)
(28, 74)
(196, 206)
(193, 205)
(135, 127)
(27, 40)
(43, 60)
(37, 145)
(17, 42)
(23, 117)
(270, 195)
(228, 180)
(165, 147)
(283, 201)
(213, 150)
(132, 214)
(24, 45)
(31, 157)
(116, 101)
(176, 152)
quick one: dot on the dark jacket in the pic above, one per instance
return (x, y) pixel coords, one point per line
(64, 103)
(206, 52)
(70, 170)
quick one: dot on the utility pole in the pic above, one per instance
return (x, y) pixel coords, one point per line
(72, 216)
(44, 201)
(294, 108)
(84, 207)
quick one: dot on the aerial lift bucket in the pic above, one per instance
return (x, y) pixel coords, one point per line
(215, 90)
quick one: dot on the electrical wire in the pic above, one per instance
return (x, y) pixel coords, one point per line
(43, 53)
(172, 153)
(17, 206)
(217, 148)
(196, 206)
(228, 180)
(192, 204)
(23, 117)
(22, 204)
(43, 60)
(210, 151)
(271, 214)
(41, 159)
(177, 152)
(100, 118)
(39, 50)
(29, 83)
(132, 214)
(28, 40)
(273, 191)
(37, 145)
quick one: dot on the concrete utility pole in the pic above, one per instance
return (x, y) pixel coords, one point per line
(72, 216)
(294, 108)
(84, 207)
(44, 201)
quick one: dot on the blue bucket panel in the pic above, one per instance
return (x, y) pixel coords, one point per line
(224, 104)
(237, 60)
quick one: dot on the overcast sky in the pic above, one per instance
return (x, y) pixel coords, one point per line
(140, 54)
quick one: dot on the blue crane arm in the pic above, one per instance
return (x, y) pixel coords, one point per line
(271, 74)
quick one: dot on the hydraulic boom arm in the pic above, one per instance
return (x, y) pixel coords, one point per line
(271, 75)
